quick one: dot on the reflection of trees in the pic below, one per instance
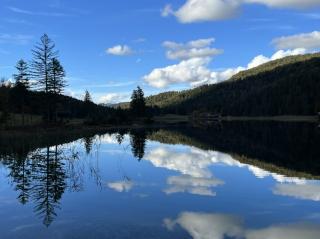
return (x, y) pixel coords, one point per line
(41, 177)
(48, 182)
(138, 143)
(88, 141)
(20, 172)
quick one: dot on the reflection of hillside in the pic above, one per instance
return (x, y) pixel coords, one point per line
(287, 149)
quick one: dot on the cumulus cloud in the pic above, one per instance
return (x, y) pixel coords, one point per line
(112, 98)
(205, 10)
(195, 71)
(212, 10)
(305, 40)
(120, 50)
(300, 191)
(220, 226)
(193, 49)
(121, 186)
(188, 71)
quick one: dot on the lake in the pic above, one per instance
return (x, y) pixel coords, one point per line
(230, 180)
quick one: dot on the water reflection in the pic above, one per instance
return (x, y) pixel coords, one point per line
(220, 226)
(193, 165)
(39, 178)
(182, 162)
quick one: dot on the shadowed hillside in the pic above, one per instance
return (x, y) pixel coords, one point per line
(289, 86)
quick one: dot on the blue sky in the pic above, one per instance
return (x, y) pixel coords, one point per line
(110, 47)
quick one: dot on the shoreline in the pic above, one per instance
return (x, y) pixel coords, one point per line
(159, 121)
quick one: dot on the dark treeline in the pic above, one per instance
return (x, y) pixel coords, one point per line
(289, 86)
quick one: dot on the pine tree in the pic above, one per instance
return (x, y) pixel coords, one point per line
(87, 97)
(138, 102)
(19, 93)
(56, 83)
(43, 55)
(22, 76)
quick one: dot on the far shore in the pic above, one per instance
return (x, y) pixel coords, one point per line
(281, 118)
(158, 121)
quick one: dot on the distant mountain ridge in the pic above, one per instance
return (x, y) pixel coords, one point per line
(290, 85)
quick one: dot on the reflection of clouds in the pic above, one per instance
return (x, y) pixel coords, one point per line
(260, 173)
(190, 163)
(301, 191)
(121, 186)
(207, 226)
(219, 226)
(194, 165)
(109, 139)
(187, 183)
(294, 231)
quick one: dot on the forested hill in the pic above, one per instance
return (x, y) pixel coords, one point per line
(289, 86)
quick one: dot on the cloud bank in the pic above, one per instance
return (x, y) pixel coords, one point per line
(194, 68)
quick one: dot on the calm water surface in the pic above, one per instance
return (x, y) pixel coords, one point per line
(230, 181)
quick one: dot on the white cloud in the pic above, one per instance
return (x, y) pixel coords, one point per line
(193, 49)
(195, 71)
(187, 71)
(220, 226)
(121, 186)
(206, 10)
(19, 39)
(113, 98)
(305, 40)
(299, 4)
(300, 191)
(212, 10)
(120, 50)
